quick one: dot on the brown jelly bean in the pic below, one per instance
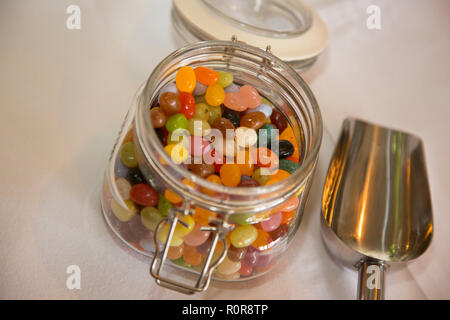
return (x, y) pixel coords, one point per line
(278, 120)
(157, 117)
(222, 125)
(236, 254)
(170, 104)
(280, 232)
(248, 183)
(254, 120)
(203, 170)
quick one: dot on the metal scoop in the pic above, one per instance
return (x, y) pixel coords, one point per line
(376, 205)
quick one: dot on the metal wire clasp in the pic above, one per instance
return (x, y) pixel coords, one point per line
(159, 258)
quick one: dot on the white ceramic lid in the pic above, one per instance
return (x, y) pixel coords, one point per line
(293, 30)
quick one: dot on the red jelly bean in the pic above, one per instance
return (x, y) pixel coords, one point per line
(144, 195)
(245, 270)
(187, 101)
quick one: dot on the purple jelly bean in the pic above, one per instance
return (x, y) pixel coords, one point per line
(120, 170)
(250, 257)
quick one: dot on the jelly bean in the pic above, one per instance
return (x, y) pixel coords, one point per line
(172, 196)
(248, 183)
(278, 120)
(259, 176)
(234, 102)
(162, 234)
(236, 254)
(135, 176)
(170, 87)
(266, 134)
(164, 205)
(288, 134)
(230, 174)
(200, 89)
(215, 95)
(278, 176)
(243, 236)
(150, 217)
(245, 270)
(170, 103)
(285, 149)
(185, 79)
(233, 276)
(222, 124)
(137, 227)
(198, 127)
(245, 162)
(127, 155)
(187, 102)
(254, 120)
(265, 158)
(288, 165)
(196, 237)
(272, 223)
(202, 169)
(191, 256)
(232, 88)
(214, 179)
(264, 108)
(206, 75)
(144, 195)
(290, 204)
(215, 112)
(123, 214)
(227, 147)
(241, 218)
(177, 152)
(180, 262)
(157, 117)
(198, 146)
(250, 257)
(263, 261)
(262, 240)
(250, 96)
(202, 216)
(232, 115)
(225, 79)
(124, 187)
(246, 137)
(279, 233)
(202, 111)
(205, 247)
(120, 170)
(228, 267)
(288, 216)
(177, 121)
(179, 136)
(175, 252)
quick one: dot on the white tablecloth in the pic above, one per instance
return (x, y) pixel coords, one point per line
(64, 94)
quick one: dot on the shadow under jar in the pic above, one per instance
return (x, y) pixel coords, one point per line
(160, 228)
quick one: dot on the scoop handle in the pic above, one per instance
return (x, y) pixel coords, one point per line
(371, 279)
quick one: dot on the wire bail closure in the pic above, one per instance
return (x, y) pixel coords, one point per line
(218, 231)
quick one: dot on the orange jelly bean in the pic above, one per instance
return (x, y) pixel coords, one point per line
(185, 79)
(215, 95)
(191, 256)
(245, 162)
(202, 216)
(175, 198)
(262, 240)
(214, 179)
(288, 134)
(175, 252)
(206, 76)
(280, 175)
(288, 216)
(230, 174)
(266, 158)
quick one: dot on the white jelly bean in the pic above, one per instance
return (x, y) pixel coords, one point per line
(264, 108)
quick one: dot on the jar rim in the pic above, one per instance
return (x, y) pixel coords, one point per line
(142, 121)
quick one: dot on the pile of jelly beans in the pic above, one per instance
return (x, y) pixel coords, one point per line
(214, 101)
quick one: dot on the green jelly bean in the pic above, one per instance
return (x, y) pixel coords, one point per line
(127, 155)
(241, 218)
(177, 121)
(266, 134)
(243, 236)
(261, 178)
(288, 165)
(214, 113)
(225, 79)
(150, 217)
(180, 262)
(164, 205)
(123, 214)
(200, 99)
(202, 111)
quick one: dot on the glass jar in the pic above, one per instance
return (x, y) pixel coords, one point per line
(223, 209)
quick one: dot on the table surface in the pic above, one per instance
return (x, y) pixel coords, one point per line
(65, 92)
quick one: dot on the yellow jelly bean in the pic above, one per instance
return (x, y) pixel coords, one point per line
(185, 79)
(228, 267)
(162, 236)
(243, 236)
(215, 95)
(123, 214)
(178, 153)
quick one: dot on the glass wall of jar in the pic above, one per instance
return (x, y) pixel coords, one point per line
(238, 232)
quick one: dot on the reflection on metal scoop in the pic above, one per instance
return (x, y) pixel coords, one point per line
(376, 205)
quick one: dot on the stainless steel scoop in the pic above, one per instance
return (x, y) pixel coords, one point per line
(376, 205)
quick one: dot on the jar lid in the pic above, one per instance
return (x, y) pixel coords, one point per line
(294, 31)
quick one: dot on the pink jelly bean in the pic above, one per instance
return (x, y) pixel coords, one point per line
(234, 102)
(198, 146)
(290, 204)
(250, 257)
(245, 270)
(263, 260)
(196, 237)
(272, 223)
(250, 96)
